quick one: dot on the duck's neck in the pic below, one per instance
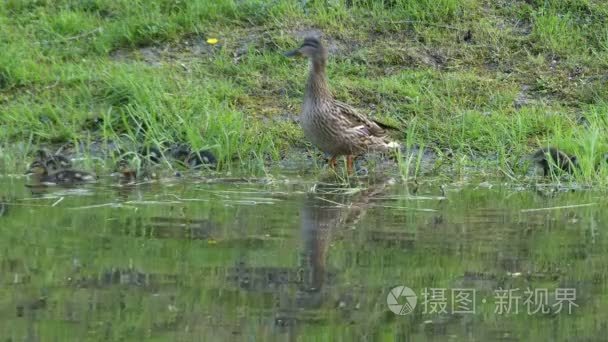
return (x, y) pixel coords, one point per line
(317, 87)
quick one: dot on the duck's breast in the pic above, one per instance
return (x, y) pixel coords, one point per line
(324, 131)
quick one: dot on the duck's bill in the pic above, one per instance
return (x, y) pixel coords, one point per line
(292, 53)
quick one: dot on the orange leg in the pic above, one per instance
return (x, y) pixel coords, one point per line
(332, 162)
(349, 163)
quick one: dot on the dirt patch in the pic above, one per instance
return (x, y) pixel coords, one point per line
(120, 55)
(392, 58)
(435, 58)
(383, 52)
(521, 27)
(195, 45)
(190, 47)
(523, 98)
(151, 55)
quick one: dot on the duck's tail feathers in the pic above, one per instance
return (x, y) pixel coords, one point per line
(393, 145)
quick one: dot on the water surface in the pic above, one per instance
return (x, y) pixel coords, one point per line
(293, 259)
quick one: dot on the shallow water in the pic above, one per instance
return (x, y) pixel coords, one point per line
(290, 259)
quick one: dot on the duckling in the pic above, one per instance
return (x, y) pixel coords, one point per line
(53, 162)
(127, 173)
(151, 153)
(184, 154)
(180, 152)
(200, 159)
(333, 126)
(550, 158)
(130, 171)
(62, 177)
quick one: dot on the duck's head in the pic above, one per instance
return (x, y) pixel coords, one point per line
(311, 48)
(122, 166)
(36, 168)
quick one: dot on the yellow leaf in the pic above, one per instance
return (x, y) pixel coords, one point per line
(212, 41)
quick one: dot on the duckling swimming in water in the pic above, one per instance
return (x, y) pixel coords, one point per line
(62, 177)
(132, 170)
(550, 159)
(127, 173)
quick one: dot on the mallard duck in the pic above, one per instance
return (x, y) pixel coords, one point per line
(550, 158)
(333, 126)
(62, 177)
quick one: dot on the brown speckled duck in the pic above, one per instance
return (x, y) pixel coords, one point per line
(42, 175)
(333, 126)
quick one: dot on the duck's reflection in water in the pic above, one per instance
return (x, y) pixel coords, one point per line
(317, 220)
(325, 214)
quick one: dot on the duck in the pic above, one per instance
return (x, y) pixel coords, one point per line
(126, 172)
(61, 177)
(151, 153)
(550, 159)
(335, 127)
(180, 151)
(201, 158)
(53, 162)
(186, 156)
(130, 171)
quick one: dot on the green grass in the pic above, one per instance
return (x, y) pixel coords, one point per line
(491, 81)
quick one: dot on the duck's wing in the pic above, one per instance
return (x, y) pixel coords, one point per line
(355, 120)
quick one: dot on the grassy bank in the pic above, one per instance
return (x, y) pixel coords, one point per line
(489, 79)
